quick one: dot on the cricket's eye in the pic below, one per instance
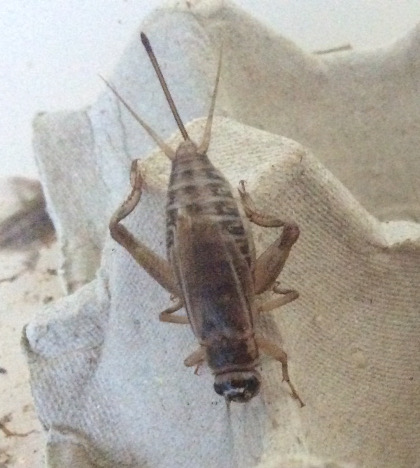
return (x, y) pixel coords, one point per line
(238, 386)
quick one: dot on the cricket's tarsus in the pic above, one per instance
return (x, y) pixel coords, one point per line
(212, 269)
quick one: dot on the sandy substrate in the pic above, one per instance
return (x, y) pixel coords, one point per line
(22, 293)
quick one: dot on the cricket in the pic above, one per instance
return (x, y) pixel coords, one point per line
(211, 269)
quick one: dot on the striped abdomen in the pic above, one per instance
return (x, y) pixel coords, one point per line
(197, 187)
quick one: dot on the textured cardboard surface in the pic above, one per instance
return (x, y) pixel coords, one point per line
(108, 378)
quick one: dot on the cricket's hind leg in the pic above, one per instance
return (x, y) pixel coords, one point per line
(158, 268)
(271, 262)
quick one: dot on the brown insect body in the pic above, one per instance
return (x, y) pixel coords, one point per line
(210, 253)
(212, 268)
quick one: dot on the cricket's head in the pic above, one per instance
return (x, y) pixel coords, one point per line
(238, 386)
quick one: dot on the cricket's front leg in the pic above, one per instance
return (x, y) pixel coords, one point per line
(271, 262)
(166, 315)
(196, 359)
(277, 353)
(158, 268)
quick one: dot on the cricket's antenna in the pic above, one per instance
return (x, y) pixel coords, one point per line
(204, 145)
(165, 88)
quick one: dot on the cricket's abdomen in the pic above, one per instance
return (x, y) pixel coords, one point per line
(201, 191)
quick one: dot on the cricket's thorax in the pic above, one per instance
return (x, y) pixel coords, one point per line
(232, 355)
